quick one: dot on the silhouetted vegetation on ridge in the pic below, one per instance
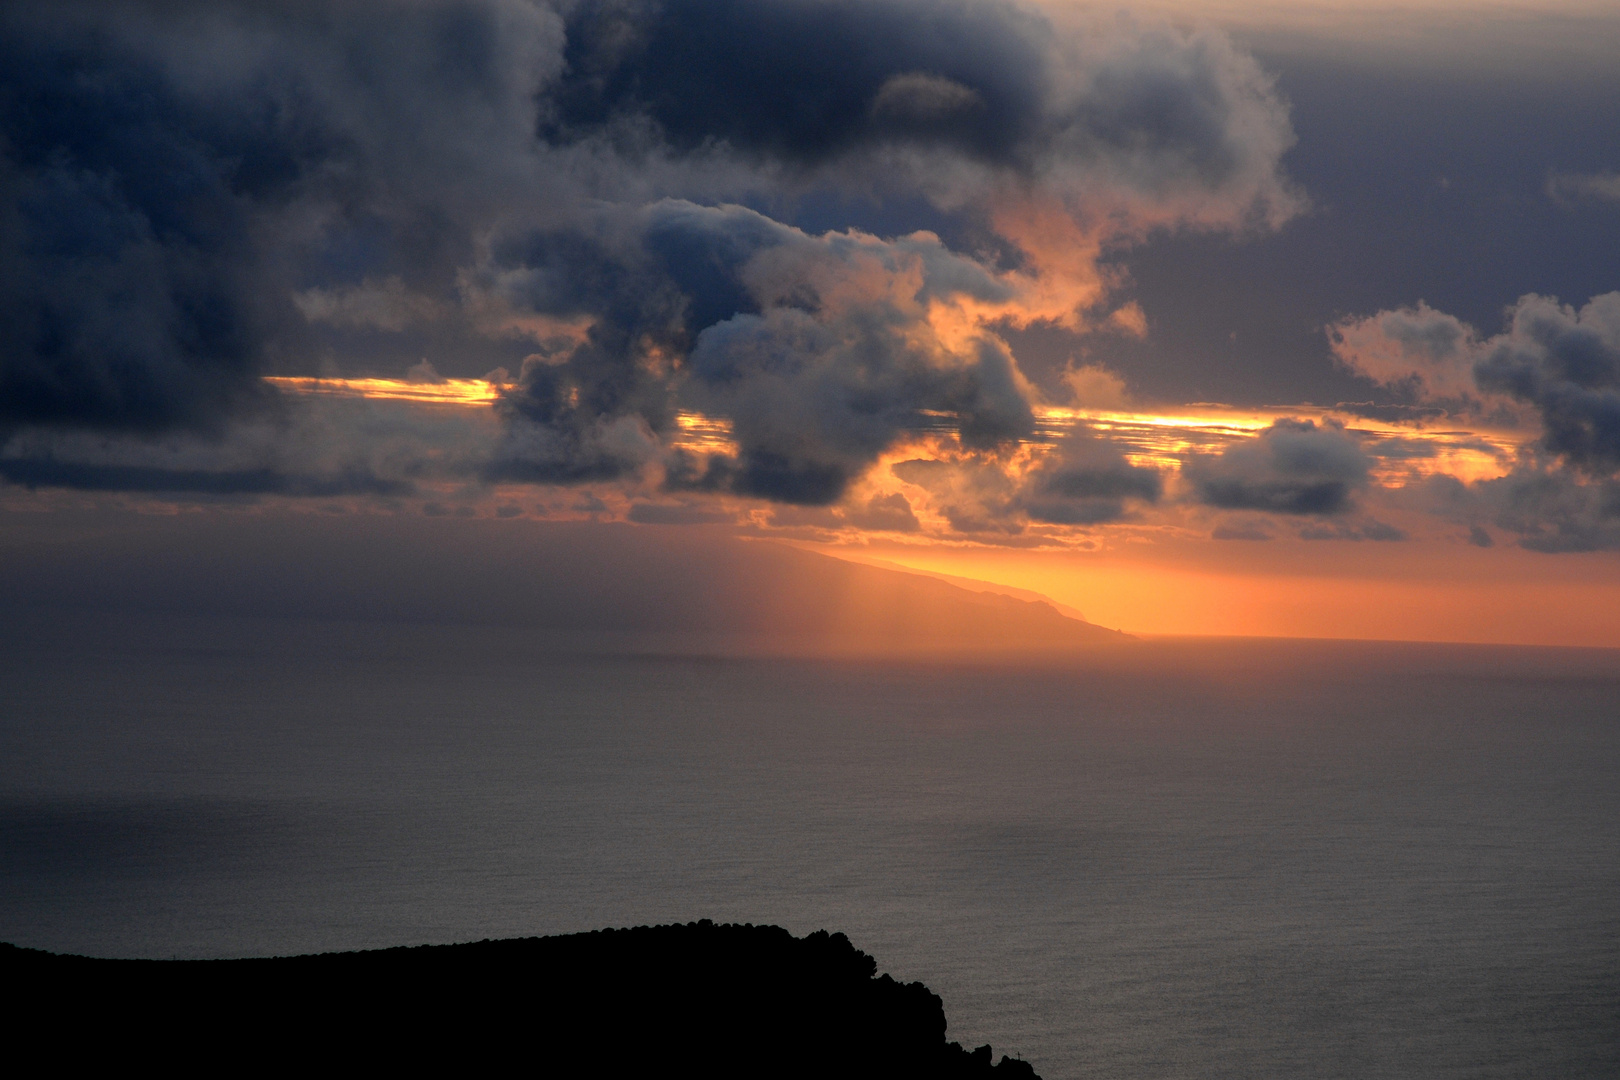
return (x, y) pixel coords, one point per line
(699, 998)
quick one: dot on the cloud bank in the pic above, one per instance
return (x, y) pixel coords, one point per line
(1560, 362)
(596, 196)
(1293, 467)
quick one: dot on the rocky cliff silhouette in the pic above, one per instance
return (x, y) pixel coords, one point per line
(654, 1001)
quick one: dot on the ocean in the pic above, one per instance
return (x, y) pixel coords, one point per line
(1176, 858)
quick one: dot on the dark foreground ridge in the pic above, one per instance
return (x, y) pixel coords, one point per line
(694, 999)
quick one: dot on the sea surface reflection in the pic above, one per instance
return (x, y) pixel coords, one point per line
(1178, 859)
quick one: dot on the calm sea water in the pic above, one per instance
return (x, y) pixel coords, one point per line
(1183, 859)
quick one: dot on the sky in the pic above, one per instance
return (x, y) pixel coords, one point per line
(1200, 318)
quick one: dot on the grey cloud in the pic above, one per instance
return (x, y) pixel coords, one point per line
(816, 348)
(1086, 481)
(816, 83)
(1400, 448)
(438, 509)
(1553, 511)
(565, 445)
(1169, 114)
(1562, 361)
(125, 299)
(814, 401)
(1240, 530)
(788, 516)
(312, 448)
(972, 520)
(1371, 529)
(926, 473)
(918, 98)
(885, 513)
(1293, 467)
(1417, 351)
(47, 472)
(650, 513)
(1568, 187)
(1083, 480)
(170, 175)
(1397, 448)
(1567, 364)
(1546, 506)
(803, 81)
(1399, 414)
(808, 344)
(383, 305)
(974, 493)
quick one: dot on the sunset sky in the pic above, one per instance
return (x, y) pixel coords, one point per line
(1200, 318)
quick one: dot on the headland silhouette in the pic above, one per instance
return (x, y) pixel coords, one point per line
(705, 999)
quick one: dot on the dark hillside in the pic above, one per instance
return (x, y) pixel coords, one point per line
(694, 999)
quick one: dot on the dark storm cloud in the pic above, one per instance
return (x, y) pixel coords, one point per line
(170, 173)
(126, 262)
(805, 83)
(818, 349)
(1293, 467)
(193, 195)
(804, 80)
(650, 280)
(823, 351)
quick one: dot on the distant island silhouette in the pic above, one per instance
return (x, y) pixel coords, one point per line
(699, 999)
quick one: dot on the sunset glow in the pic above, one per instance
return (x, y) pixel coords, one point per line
(442, 392)
(1139, 310)
(1109, 508)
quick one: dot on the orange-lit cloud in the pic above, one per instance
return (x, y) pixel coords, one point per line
(963, 483)
(1156, 571)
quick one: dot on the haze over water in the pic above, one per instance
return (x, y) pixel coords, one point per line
(1179, 859)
